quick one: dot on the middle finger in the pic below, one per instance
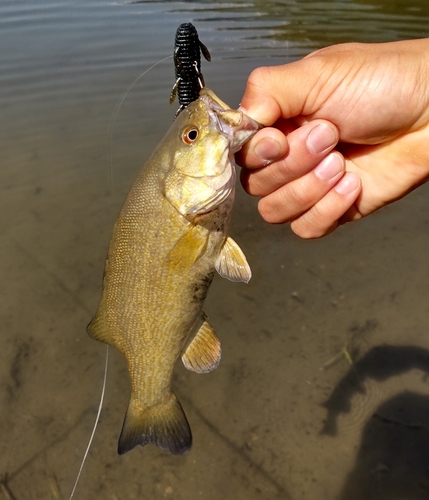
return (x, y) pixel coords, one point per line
(308, 145)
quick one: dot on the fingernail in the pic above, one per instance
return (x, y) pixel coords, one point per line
(321, 138)
(347, 184)
(329, 167)
(268, 149)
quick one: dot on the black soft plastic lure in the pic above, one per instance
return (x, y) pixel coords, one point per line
(187, 64)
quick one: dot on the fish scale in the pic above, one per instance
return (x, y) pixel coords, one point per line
(169, 238)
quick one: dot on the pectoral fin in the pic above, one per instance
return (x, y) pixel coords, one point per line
(188, 249)
(204, 352)
(232, 263)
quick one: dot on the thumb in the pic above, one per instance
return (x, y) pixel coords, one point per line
(273, 92)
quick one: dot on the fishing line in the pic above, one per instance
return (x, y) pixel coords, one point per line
(97, 418)
(110, 187)
(113, 119)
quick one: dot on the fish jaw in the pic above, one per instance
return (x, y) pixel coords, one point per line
(233, 123)
(202, 174)
(193, 196)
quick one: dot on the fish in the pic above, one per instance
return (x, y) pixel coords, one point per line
(187, 64)
(170, 238)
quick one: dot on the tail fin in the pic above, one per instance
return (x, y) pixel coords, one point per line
(164, 424)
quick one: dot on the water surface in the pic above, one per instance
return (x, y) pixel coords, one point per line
(269, 422)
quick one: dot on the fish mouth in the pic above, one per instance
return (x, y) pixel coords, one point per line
(237, 128)
(232, 123)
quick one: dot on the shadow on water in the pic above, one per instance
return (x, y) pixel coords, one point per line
(380, 363)
(393, 458)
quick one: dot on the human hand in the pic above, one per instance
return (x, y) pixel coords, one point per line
(372, 98)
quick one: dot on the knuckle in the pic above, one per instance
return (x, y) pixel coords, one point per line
(284, 172)
(305, 229)
(258, 76)
(314, 223)
(268, 212)
(297, 194)
(249, 183)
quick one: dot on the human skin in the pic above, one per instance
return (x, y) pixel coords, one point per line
(347, 132)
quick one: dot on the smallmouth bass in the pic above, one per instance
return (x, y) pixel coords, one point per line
(170, 237)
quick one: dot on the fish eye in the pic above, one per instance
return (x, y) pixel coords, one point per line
(189, 135)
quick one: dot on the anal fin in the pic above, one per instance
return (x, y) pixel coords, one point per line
(98, 331)
(232, 263)
(204, 352)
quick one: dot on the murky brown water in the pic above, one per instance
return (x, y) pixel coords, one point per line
(270, 422)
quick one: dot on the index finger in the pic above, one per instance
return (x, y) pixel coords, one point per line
(268, 145)
(273, 92)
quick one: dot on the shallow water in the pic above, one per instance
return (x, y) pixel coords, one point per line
(270, 422)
